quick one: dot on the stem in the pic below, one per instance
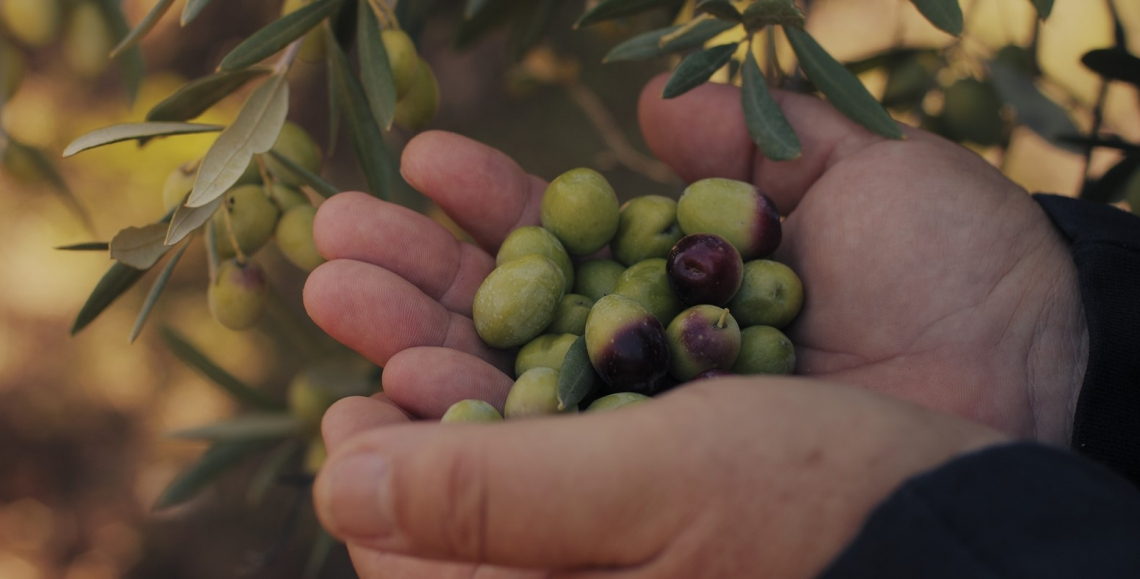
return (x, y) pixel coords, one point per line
(1094, 133)
(624, 152)
(231, 235)
(212, 258)
(723, 319)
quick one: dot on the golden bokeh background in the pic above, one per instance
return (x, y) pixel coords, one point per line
(82, 451)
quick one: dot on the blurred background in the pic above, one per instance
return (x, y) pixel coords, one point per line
(83, 455)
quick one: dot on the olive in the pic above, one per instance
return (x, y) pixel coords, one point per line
(471, 411)
(532, 239)
(570, 318)
(704, 269)
(764, 350)
(581, 209)
(294, 236)
(546, 351)
(647, 283)
(617, 400)
(238, 294)
(734, 210)
(770, 294)
(597, 278)
(702, 338)
(535, 393)
(626, 345)
(647, 228)
(517, 301)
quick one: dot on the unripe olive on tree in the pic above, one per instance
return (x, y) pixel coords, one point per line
(402, 58)
(313, 48)
(315, 388)
(286, 197)
(296, 144)
(972, 112)
(252, 216)
(295, 237)
(87, 40)
(35, 23)
(238, 295)
(420, 105)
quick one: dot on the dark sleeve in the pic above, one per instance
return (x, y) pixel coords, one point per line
(1014, 511)
(1106, 249)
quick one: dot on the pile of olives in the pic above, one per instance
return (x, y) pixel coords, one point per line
(685, 294)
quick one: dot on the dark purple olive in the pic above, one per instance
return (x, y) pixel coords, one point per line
(702, 338)
(704, 269)
(626, 345)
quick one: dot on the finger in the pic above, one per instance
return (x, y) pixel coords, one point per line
(482, 189)
(351, 416)
(529, 493)
(360, 227)
(369, 563)
(378, 314)
(702, 134)
(426, 381)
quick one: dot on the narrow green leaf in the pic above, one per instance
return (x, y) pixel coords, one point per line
(219, 459)
(306, 177)
(1034, 109)
(473, 7)
(132, 131)
(375, 70)
(192, 10)
(650, 45)
(322, 546)
(197, 96)
(187, 219)
(155, 292)
(118, 279)
(367, 142)
(45, 169)
(577, 377)
(946, 15)
(130, 60)
(144, 27)
(194, 358)
(254, 131)
(1114, 64)
(86, 246)
(1111, 142)
(278, 34)
(722, 9)
(773, 12)
(495, 13)
(140, 247)
(246, 427)
(766, 123)
(610, 9)
(530, 25)
(696, 69)
(1044, 8)
(266, 476)
(841, 87)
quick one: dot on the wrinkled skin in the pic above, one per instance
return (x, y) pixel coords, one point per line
(966, 304)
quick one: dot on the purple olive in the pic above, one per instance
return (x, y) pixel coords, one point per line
(702, 338)
(704, 269)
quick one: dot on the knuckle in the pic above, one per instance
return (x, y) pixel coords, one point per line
(464, 520)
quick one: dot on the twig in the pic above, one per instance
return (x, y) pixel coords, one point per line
(624, 152)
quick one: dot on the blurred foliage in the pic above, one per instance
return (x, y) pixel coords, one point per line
(204, 88)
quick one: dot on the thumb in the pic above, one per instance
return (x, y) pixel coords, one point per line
(531, 493)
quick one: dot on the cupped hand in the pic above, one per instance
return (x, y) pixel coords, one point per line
(928, 275)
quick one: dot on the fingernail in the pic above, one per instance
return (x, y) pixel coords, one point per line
(357, 494)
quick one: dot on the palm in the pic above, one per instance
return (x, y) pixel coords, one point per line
(894, 242)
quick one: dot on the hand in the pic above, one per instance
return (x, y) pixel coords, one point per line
(726, 478)
(928, 275)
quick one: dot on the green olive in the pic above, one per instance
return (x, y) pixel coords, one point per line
(294, 236)
(771, 294)
(618, 400)
(286, 197)
(597, 279)
(972, 112)
(315, 455)
(313, 48)
(535, 393)
(402, 58)
(35, 23)
(471, 411)
(315, 388)
(546, 351)
(517, 301)
(531, 239)
(647, 283)
(296, 144)
(764, 350)
(238, 294)
(734, 210)
(418, 108)
(581, 209)
(570, 318)
(647, 228)
(253, 217)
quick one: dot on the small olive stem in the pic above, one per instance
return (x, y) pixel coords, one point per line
(212, 258)
(266, 177)
(723, 319)
(775, 73)
(231, 235)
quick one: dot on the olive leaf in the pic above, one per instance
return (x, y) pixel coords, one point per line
(248, 427)
(193, 357)
(192, 10)
(155, 292)
(473, 7)
(773, 12)
(254, 131)
(577, 377)
(197, 96)
(367, 142)
(766, 123)
(132, 131)
(529, 26)
(140, 247)
(86, 246)
(278, 34)
(946, 15)
(722, 9)
(1113, 64)
(653, 44)
(1034, 109)
(118, 279)
(265, 476)
(187, 219)
(305, 176)
(494, 13)
(610, 9)
(1110, 188)
(130, 60)
(1110, 142)
(841, 87)
(144, 27)
(15, 152)
(217, 460)
(1044, 8)
(696, 69)
(375, 69)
